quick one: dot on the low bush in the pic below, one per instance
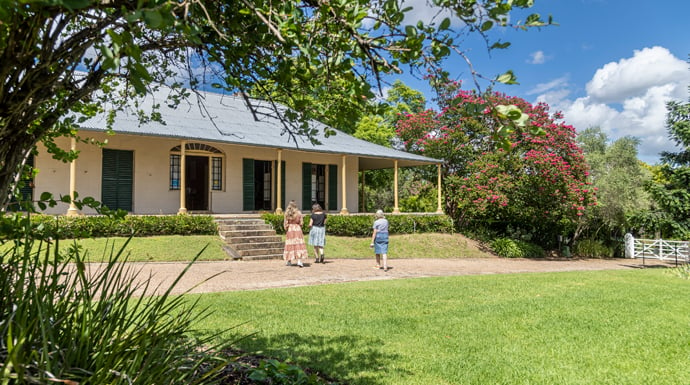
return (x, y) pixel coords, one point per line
(64, 322)
(590, 248)
(65, 227)
(361, 225)
(511, 248)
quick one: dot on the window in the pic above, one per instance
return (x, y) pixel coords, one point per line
(216, 173)
(174, 172)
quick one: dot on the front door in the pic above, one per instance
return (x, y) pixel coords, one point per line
(262, 185)
(197, 179)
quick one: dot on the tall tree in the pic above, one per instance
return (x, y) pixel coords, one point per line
(619, 178)
(670, 190)
(539, 186)
(67, 58)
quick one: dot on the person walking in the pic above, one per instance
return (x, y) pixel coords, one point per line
(379, 240)
(317, 232)
(295, 248)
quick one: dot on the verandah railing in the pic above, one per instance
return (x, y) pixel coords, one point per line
(664, 250)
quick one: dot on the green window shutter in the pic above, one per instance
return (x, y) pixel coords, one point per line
(117, 179)
(306, 186)
(332, 187)
(247, 184)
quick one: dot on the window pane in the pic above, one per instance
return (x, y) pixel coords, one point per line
(174, 172)
(217, 174)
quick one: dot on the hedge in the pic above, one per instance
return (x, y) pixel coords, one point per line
(360, 225)
(66, 227)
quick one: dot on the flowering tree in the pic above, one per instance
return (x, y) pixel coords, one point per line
(538, 185)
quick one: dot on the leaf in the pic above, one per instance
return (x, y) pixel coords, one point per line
(487, 25)
(507, 78)
(445, 24)
(153, 18)
(499, 45)
(75, 4)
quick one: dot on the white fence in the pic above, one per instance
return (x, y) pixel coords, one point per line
(677, 251)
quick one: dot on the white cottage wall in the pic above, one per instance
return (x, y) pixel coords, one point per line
(151, 157)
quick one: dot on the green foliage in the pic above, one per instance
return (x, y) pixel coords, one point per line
(244, 47)
(361, 225)
(66, 227)
(511, 248)
(592, 248)
(281, 373)
(670, 190)
(619, 178)
(63, 322)
(539, 183)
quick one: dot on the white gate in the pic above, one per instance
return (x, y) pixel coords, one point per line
(678, 251)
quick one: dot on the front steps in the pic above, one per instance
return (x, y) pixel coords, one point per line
(250, 238)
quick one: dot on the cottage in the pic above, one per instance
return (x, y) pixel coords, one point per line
(215, 158)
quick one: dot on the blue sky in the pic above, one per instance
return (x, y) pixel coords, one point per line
(609, 63)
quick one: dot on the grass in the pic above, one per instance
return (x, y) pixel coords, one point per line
(150, 249)
(183, 248)
(603, 327)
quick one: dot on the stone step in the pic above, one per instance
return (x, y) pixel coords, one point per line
(247, 233)
(261, 257)
(243, 240)
(255, 252)
(244, 227)
(259, 245)
(250, 238)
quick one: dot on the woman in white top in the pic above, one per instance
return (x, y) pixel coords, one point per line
(379, 240)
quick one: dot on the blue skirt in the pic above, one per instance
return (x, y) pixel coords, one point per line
(381, 243)
(317, 236)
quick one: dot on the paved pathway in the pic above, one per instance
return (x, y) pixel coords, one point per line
(204, 277)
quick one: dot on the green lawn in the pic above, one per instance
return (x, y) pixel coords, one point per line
(601, 327)
(183, 248)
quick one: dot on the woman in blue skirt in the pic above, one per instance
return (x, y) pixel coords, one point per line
(379, 240)
(317, 231)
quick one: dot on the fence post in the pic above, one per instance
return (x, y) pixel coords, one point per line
(629, 246)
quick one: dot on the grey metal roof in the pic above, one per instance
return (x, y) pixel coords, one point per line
(227, 119)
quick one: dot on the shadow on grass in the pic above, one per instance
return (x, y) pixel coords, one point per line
(346, 359)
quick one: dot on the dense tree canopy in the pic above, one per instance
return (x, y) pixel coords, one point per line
(670, 189)
(619, 177)
(61, 57)
(539, 186)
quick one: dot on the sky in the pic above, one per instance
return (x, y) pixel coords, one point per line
(612, 64)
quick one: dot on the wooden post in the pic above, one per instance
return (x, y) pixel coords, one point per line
(73, 211)
(439, 208)
(183, 180)
(396, 209)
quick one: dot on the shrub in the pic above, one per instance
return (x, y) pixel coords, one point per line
(361, 225)
(64, 227)
(590, 248)
(62, 322)
(511, 248)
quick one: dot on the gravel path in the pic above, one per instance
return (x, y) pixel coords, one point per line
(207, 277)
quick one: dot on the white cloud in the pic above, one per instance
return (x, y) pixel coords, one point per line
(626, 98)
(556, 84)
(537, 57)
(629, 77)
